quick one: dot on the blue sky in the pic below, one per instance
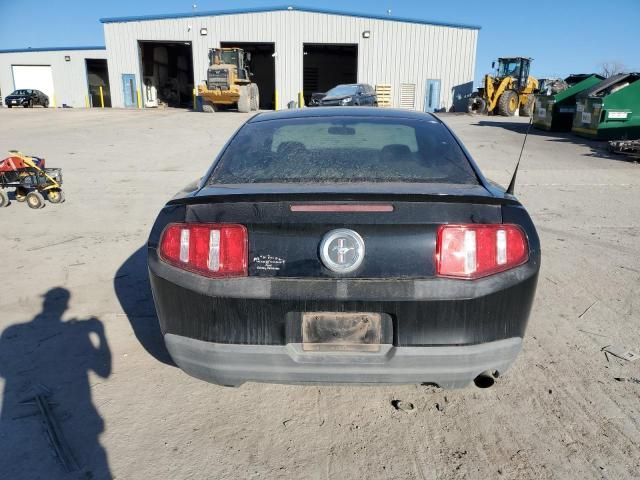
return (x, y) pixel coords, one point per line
(563, 37)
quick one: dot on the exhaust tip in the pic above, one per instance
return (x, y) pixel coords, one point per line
(486, 379)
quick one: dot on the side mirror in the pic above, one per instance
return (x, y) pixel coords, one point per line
(493, 64)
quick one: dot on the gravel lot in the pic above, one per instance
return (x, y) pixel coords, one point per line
(77, 321)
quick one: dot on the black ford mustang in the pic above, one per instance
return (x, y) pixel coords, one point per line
(343, 245)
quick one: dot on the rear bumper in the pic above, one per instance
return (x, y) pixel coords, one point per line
(425, 313)
(448, 366)
(228, 96)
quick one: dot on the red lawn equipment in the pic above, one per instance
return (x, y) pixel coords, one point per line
(31, 180)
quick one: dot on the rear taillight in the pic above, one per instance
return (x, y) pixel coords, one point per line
(214, 250)
(473, 251)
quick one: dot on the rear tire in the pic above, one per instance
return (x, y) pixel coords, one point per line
(46, 103)
(4, 199)
(244, 102)
(508, 103)
(526, 110)
(35, 200)
(476, 105)
(255, 98)
(208, 107)
(55, 196)
(21, 194)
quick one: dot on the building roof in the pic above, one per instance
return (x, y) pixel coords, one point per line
(214, 13)
(52, 49)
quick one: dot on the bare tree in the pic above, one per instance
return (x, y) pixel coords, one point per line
(612, 67)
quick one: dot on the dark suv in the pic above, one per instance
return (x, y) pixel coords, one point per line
(26, 98)
(355, 94)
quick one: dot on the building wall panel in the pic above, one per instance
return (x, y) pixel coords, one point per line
(69, 78)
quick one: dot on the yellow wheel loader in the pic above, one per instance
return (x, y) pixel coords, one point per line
(510, 91)
(229, 82)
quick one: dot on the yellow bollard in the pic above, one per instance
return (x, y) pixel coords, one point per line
(139, 102)
(101, 98)
(54, 101)
(195, 104)
(86, 101)
(300, 100)
(276, 101)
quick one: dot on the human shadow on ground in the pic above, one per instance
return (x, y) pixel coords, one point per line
(51, 357)
(131, 284)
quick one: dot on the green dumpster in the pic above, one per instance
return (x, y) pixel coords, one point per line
(555, 112)
(610, 110)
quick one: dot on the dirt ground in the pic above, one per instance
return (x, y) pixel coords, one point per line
(78, 325)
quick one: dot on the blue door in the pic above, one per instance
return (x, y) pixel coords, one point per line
(432, 97)
(129, 90)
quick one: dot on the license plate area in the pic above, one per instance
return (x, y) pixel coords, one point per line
(342, 331)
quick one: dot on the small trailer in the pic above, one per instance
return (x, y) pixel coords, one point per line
(30, 179)
(630, 148)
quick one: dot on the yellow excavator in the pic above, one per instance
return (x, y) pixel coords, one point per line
(511, 90)
(229, 82)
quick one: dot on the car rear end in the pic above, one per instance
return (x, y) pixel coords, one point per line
(330, 281)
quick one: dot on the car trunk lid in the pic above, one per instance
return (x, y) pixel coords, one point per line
(286, 226)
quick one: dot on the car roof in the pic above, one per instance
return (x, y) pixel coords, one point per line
(350, 85)
(335, 112)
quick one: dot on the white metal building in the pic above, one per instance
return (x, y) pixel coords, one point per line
(429, 65)
(66, 75)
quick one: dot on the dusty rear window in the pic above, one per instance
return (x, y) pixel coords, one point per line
(365, 135)
(343, 149)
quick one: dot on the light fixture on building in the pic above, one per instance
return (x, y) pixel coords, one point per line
(67, 58)
(366, 34)
(203, 31)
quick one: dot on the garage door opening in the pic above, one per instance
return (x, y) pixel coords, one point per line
(261, 63)
(167, 74)
(98, 76)
(327, 65)
(34, 77)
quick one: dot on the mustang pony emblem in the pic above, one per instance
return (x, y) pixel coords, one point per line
(342, 250)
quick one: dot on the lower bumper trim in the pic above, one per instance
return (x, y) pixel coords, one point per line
(446, 366)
